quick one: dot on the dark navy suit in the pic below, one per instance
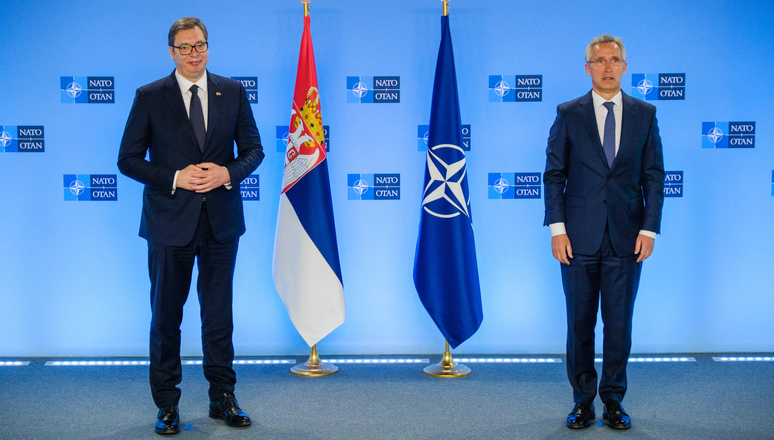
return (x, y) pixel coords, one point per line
(603, 210)
(184, 226)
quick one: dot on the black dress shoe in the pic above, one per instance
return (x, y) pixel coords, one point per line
(168, 420)
(227, 408)
(581, 416)
(616, 416)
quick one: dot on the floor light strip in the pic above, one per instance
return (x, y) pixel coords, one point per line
(656, 359)
(743, 358)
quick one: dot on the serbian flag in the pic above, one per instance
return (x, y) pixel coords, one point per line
(306, 268)
(445, 267)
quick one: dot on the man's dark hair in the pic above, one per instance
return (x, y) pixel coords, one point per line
(185, 24)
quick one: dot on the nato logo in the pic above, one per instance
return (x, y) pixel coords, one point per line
(673, 184)
(250, 188)
(373, 89)
(514, 185)
(87, 89)
(250, 84)
(423, 133)
(515, 88)
(283, 131)
(659, 86)
(22, 139)
(90, 187)
(728, 134)
(373, 186)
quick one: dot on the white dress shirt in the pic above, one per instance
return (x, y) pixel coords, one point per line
(601, 112)
(185, 89)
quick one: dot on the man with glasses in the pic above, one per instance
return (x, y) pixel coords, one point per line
(604, 183)
(187, 124)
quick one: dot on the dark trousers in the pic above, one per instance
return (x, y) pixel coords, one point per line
(586, 280)
(171, 269)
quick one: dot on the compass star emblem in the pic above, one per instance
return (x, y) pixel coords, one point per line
(360, 89)
(502, 88)
(644, 86)
(715, 135)
(77, 187)
(445, 194)
(501, 186)
(74, 89)
(360, 187)
(5, 139)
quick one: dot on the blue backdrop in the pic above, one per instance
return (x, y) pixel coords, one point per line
(73, 274)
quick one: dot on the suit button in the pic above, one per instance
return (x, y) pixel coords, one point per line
(604, 202)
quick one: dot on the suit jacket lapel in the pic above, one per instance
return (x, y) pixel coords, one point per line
(177, 106)
(589, 119)
(215, 101)
(628, 116)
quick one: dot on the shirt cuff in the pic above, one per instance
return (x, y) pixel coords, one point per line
(174, 182)
(557, 229)
(648, 234)
(227, 185)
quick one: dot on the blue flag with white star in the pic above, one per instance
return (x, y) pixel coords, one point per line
(445, 267)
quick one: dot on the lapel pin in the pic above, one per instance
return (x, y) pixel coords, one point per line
(217, 93)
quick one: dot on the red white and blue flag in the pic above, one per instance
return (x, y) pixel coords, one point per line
(306, 268)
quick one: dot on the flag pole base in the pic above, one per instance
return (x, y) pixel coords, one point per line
(447, 367)
(314, 367)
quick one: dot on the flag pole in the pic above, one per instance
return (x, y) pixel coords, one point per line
(447, 367)
(314, 367)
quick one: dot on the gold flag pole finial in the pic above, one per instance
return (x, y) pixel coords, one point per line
(445, 7)
(306, 7)
(447, 367)
(314, 367)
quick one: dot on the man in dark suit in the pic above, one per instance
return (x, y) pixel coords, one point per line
(187, 123)
(604, 183)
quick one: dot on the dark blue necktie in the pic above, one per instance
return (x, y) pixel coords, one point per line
(608, 143)
(197, 116)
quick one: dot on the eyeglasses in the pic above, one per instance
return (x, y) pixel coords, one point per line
(185, 49)
(601, 62)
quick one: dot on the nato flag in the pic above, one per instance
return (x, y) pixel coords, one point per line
(445, 268)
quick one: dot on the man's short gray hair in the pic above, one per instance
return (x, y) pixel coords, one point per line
(606, 38)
